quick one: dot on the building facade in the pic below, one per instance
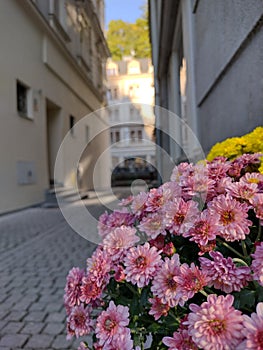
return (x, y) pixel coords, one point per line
(52, 63)
(208, 64)
(131, 115)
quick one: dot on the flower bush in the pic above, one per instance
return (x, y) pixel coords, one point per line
(179, 267)
(234, 147)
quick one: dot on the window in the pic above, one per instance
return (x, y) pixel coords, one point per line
(140, 135)
(132, 136)
(22, 98)
(117, 136)
(71, 124)
(115, 93)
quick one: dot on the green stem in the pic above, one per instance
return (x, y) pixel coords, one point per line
(232, 249)
(240, 261)
(132, 289)
(204, 293)
(244, 248)
(259, 232)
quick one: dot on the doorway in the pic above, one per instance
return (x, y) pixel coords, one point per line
(54, 133)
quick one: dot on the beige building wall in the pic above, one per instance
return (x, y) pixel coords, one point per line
(57, 87)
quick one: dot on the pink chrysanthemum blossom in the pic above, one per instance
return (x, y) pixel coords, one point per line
(257, 203)
(253, 330)
(119, 274)
(181, 169)
(198, 184)
(233, 221)
(90, 291)
(222, 184)
(180, 215)
(107, 222)
(181, 340)
(119, 240)
(153, 225)
(79, 321)
(158, 309)
(257, 264)
(111, 323)
(141, 264)
(99, 267)
(126, 201)
(191, 280)
(155, 200)
(253, 178)
(218, 168)
(103, 227)
(239, 164)
(122, 341)
(158, 242)
(205, 228)
(215, 325)
(164, 285)
(242, 190)
(72, 289)
(223, 273)
(170, 190)
(138, 204)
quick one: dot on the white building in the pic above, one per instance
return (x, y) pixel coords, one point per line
(53, 55)
(131, 100)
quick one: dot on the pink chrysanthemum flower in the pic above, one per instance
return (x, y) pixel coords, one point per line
(72, 289)
(242, 190)
(99, 267)
(181, 169)
(233, 221)
(191, 280)
(126, 201)
(103, 227)
(170, 191)
(181, 340)
(257, 203)
(218, 168)
(122, 341)
(107, 222)
(79, 321)
(253, 178)
(164, 285)
(111, 323)
(198, 184)
(204, 229)
(119, 240)
(155, 200)
(257, 264)
(138, 204)
(141, 264)
(215, 325)
(90, 291)
(253, 330)
(158, 309)
(180, 215)
(223, 273)
(153, 225)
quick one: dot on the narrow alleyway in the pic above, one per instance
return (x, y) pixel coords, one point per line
(37, 248)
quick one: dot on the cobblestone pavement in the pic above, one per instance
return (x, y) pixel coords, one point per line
(37, 248)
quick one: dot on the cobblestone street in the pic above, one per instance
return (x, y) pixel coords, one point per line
(37, 249)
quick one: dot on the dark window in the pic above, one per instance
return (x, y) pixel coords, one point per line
(140, 134)
(117, 136)
(21, 91)
(71, 124)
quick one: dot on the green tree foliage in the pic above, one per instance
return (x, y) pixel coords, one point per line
(125, 39)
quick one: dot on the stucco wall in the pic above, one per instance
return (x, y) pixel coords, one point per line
(229, 66)
(22, 46)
